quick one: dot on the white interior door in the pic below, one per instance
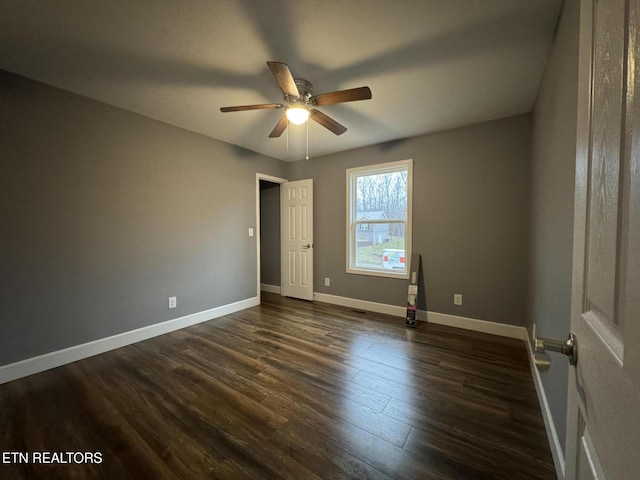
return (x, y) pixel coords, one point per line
(296, 202)
(603, 434)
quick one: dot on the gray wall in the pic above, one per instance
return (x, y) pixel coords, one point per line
(470, 219)
(270, 233)
(553, 169)
(105, 214)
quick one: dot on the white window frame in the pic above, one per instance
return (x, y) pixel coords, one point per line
(352, 223)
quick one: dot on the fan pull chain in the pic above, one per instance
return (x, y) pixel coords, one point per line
(307, 157)
(287, 136)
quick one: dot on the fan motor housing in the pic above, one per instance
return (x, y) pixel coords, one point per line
(305, 89)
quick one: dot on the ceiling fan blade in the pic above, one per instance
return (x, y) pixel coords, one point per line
(341, 96)
(280, 127)
(327, 122)
(285, 78)
(260, 106)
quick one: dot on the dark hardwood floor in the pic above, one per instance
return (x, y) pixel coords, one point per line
(289, 389)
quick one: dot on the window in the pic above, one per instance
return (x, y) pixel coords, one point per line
(379, 219)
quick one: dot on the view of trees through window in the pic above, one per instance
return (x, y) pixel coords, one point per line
(385, 192)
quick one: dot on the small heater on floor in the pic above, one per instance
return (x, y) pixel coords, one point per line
(412, 294)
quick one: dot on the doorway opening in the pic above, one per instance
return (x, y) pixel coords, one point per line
(268, 233)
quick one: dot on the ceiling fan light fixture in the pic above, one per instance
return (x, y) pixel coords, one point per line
(300, 102)
(297, 114)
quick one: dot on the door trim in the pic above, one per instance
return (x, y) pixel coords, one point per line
(549, 424)
(272, 179)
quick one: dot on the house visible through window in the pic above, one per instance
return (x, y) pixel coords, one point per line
(379, 219)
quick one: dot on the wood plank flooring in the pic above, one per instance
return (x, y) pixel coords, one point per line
(289, 389)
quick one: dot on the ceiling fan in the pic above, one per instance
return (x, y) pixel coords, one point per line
(298, 94)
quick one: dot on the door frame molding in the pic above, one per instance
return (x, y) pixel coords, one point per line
(584, 92)
(272, 179)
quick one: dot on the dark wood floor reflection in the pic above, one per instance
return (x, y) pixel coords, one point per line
(289, 389)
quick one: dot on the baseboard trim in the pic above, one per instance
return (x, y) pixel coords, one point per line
(466, 323)
(474, 324)
(360, 304)
(23, 368)
(265, 287)
(549, 424)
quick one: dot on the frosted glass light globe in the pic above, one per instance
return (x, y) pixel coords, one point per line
(297, 115)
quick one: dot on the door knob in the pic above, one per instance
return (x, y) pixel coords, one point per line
(569, 347)
(307, 246)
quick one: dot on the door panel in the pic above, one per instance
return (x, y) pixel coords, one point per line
(297, 239)
(605, 165)
(604, 393)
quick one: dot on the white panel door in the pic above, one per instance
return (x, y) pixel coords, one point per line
(603, 429)
(296, 201)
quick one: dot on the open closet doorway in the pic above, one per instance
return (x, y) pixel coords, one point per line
(268, 233)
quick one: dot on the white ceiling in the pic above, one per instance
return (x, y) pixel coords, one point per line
(431, 64)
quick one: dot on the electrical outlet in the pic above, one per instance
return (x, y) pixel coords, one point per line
(173, 302)
(327, 282)
(457, 299)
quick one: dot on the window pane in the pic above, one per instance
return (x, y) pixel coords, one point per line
(381, 196)
(381, 246)
(379, 219)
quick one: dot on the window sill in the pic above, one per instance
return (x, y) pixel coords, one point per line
(377, 273)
